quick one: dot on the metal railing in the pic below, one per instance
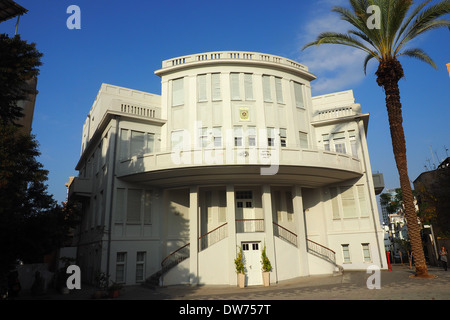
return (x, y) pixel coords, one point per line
(284, 234)
(249, 225)
(321, 251)
(213, 236)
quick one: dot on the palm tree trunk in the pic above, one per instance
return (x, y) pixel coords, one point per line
(388, 74)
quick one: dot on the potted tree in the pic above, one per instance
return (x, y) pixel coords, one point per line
(101, 285)
(239, 263)
(114, 289)
(266, 267)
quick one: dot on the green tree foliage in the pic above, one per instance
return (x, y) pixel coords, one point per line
(19, 62)
(32, 224)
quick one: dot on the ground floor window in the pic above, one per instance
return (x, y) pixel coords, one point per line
(346, 253)
(140, 266)
(366, 252)
(121, 259)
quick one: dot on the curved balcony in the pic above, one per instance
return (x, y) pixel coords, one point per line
(309, 167)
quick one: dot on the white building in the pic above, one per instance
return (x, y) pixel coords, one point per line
(234, 153)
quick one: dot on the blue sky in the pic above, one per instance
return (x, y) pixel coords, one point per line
(124, 42)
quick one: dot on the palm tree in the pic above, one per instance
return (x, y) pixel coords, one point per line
(399, 23)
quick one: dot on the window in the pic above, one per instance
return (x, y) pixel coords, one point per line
(120, 205)
(177, 140)
(348, 202)
(201, 88)
(123, 144)
(362, 201)
(140, 266)
(366, 252)
(298, 95)
(238, 136)
(217, 136)
(235, 88)
(121, 259)
(346, 253)
(251, 133)
(177, 92)
(270, 137)
(134, 206)
(244, 195)
(215, 87)
(326, 142)
(303, 137)
(283, 137)
(248, 86)
(353, 145)
(339, 142)
(203, 137)
(266, 89)
(137, 143)
(279, 90)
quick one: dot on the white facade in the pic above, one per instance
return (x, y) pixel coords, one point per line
(235, 153)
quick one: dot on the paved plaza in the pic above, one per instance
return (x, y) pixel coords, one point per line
(351, 285)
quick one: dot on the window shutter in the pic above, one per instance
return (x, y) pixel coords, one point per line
(298, 95)
(178, 92)
(279, 90)
(215, 79)
(201, 87)
(266, 89)
(235, 94)
(248, 84)
(134, 206)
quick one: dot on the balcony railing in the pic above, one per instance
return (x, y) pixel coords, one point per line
(249, 225)
(233, 55)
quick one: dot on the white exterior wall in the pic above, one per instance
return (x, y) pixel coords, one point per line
(179, 212)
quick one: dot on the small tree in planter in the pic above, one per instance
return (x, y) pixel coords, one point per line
(266, 267)
(239, 263)
(101, 284)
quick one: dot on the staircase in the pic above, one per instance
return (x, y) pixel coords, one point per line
(181, 254)
(220, 233)
(324, 253)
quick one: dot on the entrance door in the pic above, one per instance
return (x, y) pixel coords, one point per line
(245, 211)
(252, 263)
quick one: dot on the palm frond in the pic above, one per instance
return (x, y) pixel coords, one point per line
(425, 21)
(418, 54)
(366, 61)
(339, 38)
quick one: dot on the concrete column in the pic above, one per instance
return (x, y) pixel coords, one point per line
(268, 227)
(301, 230)
(231, 220)
(193, 235)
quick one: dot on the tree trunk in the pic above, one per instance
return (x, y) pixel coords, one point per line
(388, 74)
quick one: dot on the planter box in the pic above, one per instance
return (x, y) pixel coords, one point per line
(266, 278)
(241, 280)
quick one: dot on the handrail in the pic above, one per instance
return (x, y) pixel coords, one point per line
(213, 236)
(284, 234)
(322, 251)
